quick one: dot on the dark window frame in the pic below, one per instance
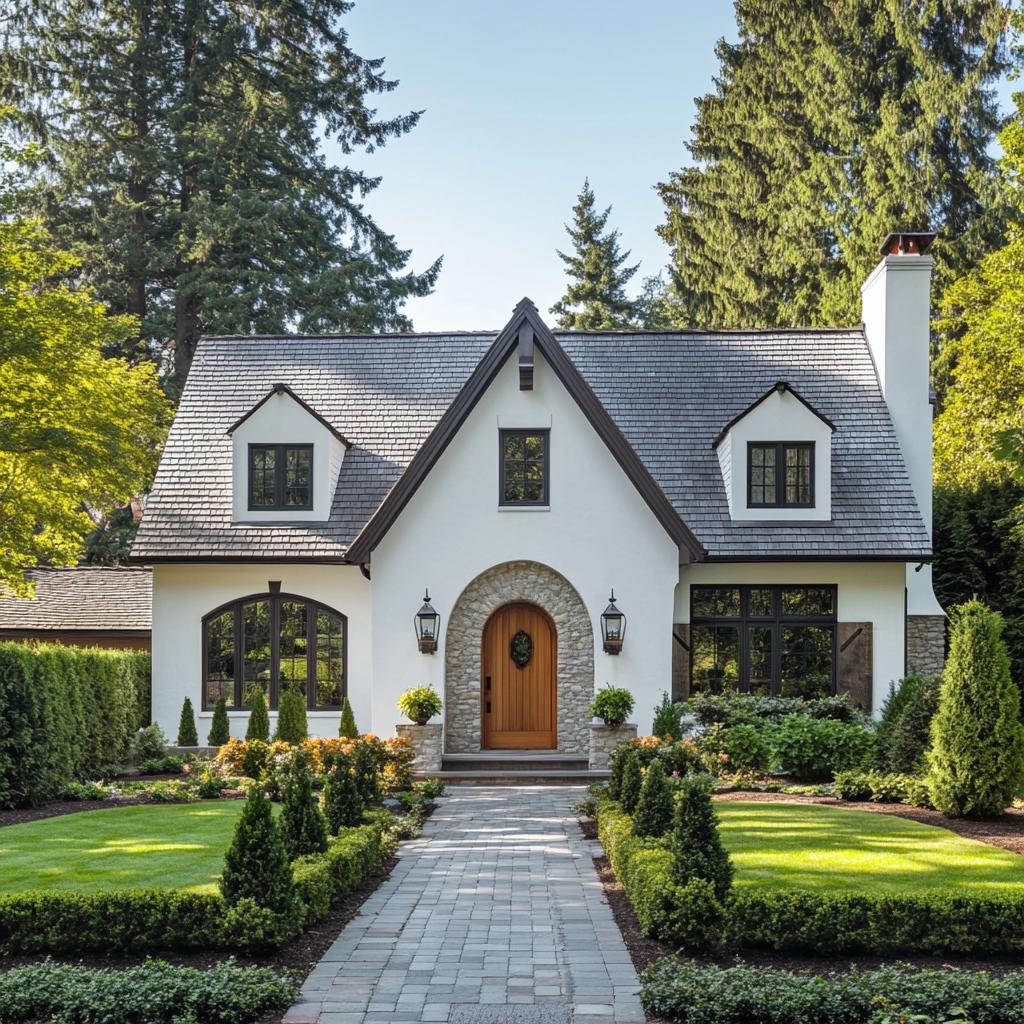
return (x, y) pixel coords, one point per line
(280, 477)
(503, 434)
(273, 695)
(745, 621)
(780, 474)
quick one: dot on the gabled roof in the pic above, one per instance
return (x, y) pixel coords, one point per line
(777, 388)
(283, 389)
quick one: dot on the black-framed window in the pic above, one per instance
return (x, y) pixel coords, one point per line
(772, 640)
(524, 461)
(280, 477)
(780, 474)
(274, 642)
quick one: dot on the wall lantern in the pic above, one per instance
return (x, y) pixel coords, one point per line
(426, 623)
(613, 627)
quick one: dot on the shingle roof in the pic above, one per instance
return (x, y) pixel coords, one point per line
(88, 598)
(669, 393)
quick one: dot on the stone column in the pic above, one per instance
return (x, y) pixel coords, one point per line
(926, 644)
(426, 742)
(603, 741)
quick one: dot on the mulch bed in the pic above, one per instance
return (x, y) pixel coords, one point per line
(55, 810)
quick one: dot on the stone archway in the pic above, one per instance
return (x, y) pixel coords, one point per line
(536, 584)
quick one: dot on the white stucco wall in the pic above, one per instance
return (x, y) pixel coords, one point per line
(183, 594)
(597, 532)
(867, 592)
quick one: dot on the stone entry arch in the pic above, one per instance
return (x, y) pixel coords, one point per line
(537, 584)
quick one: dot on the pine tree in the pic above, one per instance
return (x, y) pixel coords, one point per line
(653, 815)
(616, 764)
(185, 146)
(367, 773)
(596, 296)
(302, 822)
(347, 727)
(187, 736)
(343, 807)
(631, 780)
(697, 851)
(220, 727)
(292, 726)
(259, 718)
(976, 760)
(831, 125)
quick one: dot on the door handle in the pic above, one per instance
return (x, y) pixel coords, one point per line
(487, 683)
(488, 707)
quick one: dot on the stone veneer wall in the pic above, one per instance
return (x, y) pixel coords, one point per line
(603, 741)
(574, 640)
(926, 644)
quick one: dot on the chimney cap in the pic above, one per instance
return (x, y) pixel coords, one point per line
(916, 243)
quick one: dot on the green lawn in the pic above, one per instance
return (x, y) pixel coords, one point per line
(142, 846)
(810, 846)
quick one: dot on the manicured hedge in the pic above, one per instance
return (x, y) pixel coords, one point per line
(809, 920)
(65, 713)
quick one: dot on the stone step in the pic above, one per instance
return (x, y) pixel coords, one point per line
(514, 760)
(513, 777)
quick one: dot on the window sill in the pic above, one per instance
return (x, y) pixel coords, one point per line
(524, 508)
(271, 711)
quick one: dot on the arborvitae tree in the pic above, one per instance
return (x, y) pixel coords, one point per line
(343, 806)
(292, 726)
(366, 772)
(596, 296)
(256, 865)
(976, 760)
(259, 718)
(185, 157)
(831, 125)
(616, 764)
(654, 808)
(220, 727)
(187, 735)
(696, 845)
(631, 780)
(347, 727)
(302, 821)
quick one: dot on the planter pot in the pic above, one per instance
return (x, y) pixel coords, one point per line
(603, 741)
(426, 742)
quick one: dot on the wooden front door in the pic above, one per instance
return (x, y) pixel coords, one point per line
(518, 686)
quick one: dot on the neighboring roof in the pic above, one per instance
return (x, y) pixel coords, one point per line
(283, 389)
(779, 386)
(666, 393)
(87, 598)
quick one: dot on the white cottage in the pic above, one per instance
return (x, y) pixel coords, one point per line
(759, 502)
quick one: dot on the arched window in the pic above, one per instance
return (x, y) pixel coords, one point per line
(274, 642)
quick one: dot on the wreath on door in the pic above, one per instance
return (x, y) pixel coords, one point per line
(521, 649)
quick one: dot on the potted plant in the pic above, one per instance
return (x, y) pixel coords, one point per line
(420, 704)
(612, 704)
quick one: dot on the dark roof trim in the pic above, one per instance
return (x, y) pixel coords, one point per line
(245, 559)
(525, 314)
(45, 631)
(909, 557)
(283, 389)
(779, 386)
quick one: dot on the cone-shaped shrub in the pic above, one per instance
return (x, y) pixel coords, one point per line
(696, 846)
(615, 766)
(256, 865)
(632, 780)
(259, 719)
(302, 822)
(291, 718)
(220, 728)
(976, 760)
(343, 806)
(347, 729)
(187, 735)
(366, 773)
(653, 815)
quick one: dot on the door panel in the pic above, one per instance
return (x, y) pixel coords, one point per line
(518, 709)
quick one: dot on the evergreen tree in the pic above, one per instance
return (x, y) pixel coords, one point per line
(185, 156)
(696, 845)
(292, 726)
(343, 807)
(831, 125)
(367, 773)
(631, 780)
(654, 808)
(976, 760)
(259, 718)
(347, 727)
(187, 736)
(616, 764)
(302, 822)
(220, 727)
(596, 296)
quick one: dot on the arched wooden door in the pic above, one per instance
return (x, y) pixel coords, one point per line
(518, 710)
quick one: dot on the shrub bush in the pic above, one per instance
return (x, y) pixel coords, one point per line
(612, 704)
(631, 781)
(302, 822)
(171, 764)
(976, 760)
(149, 744)
(747, 749)
(420, 704)
(813, 749)
(220, 727)
(668, 719)
(881, 787)
(904, 725)
(852, 785)
(365, 769)
(654, 808)
(347, 728)
(343, 806)
(187, 735)
(728, 709)
(697, 851)
(615, 765)
(292, 726)
(258, 726)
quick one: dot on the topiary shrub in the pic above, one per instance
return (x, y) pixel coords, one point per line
(302, 822)
(148, 744)
(668, 719)
(911, 733)
(420, 704)
(187, 735)
(976, 760)
(347, 727)
(366, 772)
(653, 816)
(631, 781)
(813, 749)
(291, 717)
(747, 749)
(612, 704)
(697, 851)
(343, 807)
(220, 727)
(259, 718)
(615, 765)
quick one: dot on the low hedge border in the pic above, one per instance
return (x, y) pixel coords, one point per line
(140, 920)
(805, 920)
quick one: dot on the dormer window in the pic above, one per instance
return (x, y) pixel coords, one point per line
(780, 474)
(280, 477)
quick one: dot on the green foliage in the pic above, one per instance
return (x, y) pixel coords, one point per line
(976, 761)
(747, 748)
(881, 787)
(730, 709)
(814, 748)
(292, 726)
(347, 728)
(631, 779)
(259, 717)
(904, 738)
(255, 759)
(668, 719)
(343, 806)
(149, 744)
(302, 822)
(612, 704)
(697, 851)
(420, 704)
(187, 735)
(653, 815)
(220, 727)
(853, 785)
(366, 770)
(616, 763)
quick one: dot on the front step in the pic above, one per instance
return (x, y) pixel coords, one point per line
(503, 761)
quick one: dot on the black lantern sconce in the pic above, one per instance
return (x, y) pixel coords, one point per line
(613, 627)
(426, 624)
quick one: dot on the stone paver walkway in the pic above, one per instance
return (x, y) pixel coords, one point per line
(494, 916)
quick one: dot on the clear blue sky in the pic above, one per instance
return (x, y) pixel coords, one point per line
(522, 101)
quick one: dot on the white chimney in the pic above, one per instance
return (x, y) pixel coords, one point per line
(896, 310)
